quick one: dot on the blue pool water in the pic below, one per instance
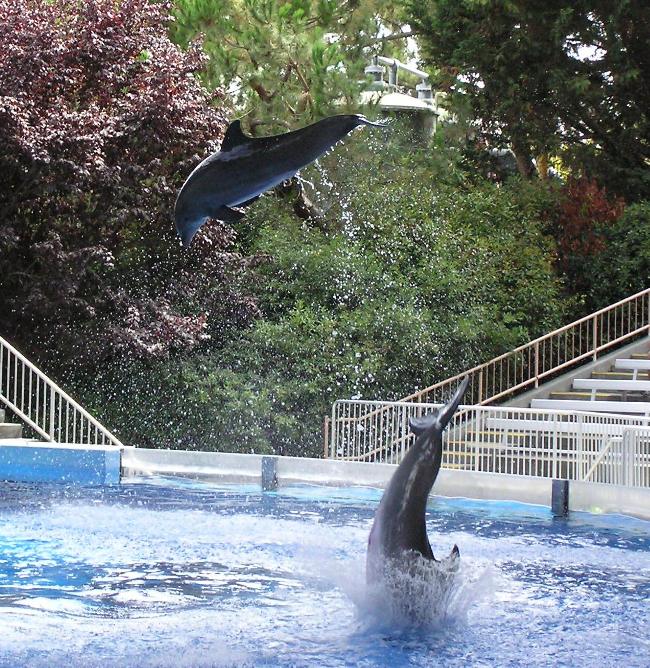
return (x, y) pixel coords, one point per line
(173, 573)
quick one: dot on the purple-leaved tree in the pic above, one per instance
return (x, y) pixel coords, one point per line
(101, 119)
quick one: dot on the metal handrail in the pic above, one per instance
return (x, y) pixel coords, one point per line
(537, 362)
(44, 406)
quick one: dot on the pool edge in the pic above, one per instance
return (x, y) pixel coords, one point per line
(247, 468)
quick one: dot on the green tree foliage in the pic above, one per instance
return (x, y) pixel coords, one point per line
(622, 265)
(101, 118)
(413, 274)
(555, 77)
(285, 61)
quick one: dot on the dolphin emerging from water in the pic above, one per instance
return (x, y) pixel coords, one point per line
(245, 167)
(399, 533)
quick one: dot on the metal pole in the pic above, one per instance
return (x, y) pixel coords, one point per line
(52, 408)
(326, 433)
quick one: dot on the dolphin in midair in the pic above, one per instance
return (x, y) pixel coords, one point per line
(245, 167)
(399, 532)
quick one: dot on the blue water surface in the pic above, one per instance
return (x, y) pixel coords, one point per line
(171, 572)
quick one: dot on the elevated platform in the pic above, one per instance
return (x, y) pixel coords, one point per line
(22, 460)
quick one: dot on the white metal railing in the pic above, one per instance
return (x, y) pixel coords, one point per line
(624, 460)
(44, 406)
(499, 439)
(527, 365)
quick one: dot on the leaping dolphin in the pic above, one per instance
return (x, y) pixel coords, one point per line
(245, 167)
(399, 532)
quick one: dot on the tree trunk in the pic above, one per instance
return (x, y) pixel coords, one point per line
(524, 159)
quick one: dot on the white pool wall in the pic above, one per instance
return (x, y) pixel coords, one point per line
(243, 468)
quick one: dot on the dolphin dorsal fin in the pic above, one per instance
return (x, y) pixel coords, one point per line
(233, 137)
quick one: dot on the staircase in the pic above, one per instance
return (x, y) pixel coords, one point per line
(43, 406)
(69, 444)
(623, 389)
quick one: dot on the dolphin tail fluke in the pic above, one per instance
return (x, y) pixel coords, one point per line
(439, 419)
(446, 412)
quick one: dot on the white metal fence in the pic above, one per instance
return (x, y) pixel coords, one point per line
(501, 439)
(624, 460)
(44, 406)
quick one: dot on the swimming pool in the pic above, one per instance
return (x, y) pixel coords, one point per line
(160, 572)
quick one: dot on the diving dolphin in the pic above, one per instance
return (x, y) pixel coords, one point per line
(245, 167)
(399, 531)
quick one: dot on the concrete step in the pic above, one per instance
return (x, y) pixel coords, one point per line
(609, 385)
(10, 430)
(641, 356)
(631, 364)
(623, 407)
(18, 441)
(620, 375)
(586, 396)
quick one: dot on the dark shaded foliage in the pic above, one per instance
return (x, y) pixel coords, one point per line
(622, 266)
(550, 78)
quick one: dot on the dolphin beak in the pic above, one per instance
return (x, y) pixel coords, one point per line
(374, 124)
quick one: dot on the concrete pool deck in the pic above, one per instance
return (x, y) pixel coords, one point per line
(244, 468)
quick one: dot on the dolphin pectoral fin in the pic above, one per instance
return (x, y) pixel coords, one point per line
(421, 424)
(248, 202)
(227, 215)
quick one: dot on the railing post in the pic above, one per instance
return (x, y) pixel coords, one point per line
(480, 386)
(536, 363)
(52, 407)
(595, 338)
(326, 434)
(404, 434)
(625, 447)
(579, 464)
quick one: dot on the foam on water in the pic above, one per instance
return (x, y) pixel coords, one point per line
(194, 575)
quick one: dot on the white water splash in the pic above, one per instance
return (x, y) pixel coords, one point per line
(426, 594)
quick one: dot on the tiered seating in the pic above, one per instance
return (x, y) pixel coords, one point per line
(624, 389)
